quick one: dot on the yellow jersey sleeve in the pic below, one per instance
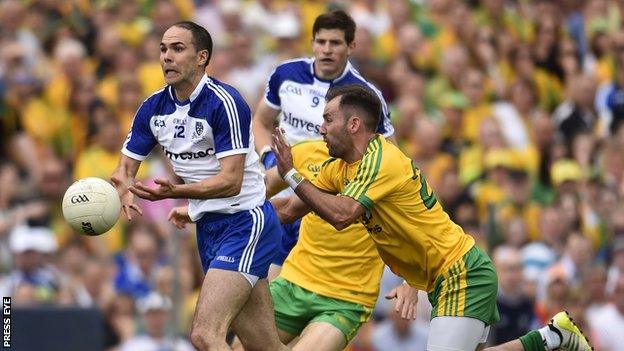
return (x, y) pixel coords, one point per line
(328, 178)
(308, 156)
(375, 177)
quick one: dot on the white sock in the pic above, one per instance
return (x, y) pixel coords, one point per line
(553, 340)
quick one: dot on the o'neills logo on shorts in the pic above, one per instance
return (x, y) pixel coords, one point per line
(189, 155)
(225, 259)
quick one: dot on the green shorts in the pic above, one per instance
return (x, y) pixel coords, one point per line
(467, 289)
(296, 307)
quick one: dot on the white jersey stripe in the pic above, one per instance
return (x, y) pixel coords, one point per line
(245, 256)
(260, 229)
(228, 112)
(227, 103)
(236, 119)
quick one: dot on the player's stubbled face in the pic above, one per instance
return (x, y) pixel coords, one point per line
(178, 57)
(334, 128)
(330, 53)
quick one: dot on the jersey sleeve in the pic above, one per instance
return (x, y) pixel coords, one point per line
(231, 124)
(326, 179)
(374, 179)
(271, 93)
(140, 141)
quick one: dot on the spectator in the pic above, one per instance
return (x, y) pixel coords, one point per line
(399, 334)
(514, 306)
(608, 323)
(155, 315)
(136, 265)
(33, 279)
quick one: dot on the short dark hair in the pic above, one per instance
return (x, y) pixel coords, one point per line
(357, 99)
(201, 38)
(337, 19)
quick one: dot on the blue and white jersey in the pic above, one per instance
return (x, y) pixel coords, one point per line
(213, 123)
(294, 89)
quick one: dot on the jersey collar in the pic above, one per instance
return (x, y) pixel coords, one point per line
(335, 80)
(194, 94)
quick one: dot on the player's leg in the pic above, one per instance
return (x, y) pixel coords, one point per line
(333, 324)
(560, 333)
(321, 336)
(236, 250)
(463, 303)
(255, 324)
(222, 296)
(456, 333)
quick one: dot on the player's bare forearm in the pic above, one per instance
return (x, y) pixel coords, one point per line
(289, 209)
(124, 174)
(274, 182)
(227, 183)
(123, 179)
(339, 211)
(221, 185)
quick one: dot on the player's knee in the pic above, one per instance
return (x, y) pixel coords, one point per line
(205, 338)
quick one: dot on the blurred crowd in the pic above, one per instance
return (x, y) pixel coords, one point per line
(514, 110)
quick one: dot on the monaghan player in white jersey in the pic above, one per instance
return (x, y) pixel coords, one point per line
(203, 127)
(295, 98)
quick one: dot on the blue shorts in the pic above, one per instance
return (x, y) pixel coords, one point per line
(244, 242)
(290, 235)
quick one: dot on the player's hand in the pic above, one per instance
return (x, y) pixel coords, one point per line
(164, 190)
(281, 148)
(126, 197)
(179, 217)
(406, 300)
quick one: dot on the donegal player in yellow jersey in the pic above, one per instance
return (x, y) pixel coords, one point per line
(327, 288)
(370, 181)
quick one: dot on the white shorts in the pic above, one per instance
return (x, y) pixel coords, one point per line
(456, 334)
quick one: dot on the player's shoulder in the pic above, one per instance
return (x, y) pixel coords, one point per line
(309, 145)
(298, 69)
(159, 103)
(384, 152)
(310, 149)
(296, 64)
(223, 90)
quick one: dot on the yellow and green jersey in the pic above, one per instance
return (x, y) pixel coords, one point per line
(345, 264)
(414, 236)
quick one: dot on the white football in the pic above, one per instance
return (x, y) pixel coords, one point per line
(91, 206)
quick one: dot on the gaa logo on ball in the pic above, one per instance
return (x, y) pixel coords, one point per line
(91, 206)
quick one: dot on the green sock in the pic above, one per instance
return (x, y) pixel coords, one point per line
(532, 341)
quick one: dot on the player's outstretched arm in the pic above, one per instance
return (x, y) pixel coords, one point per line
(339, 211)
(226, 183)
(262, 126)
(123, 178)
(289, 209)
